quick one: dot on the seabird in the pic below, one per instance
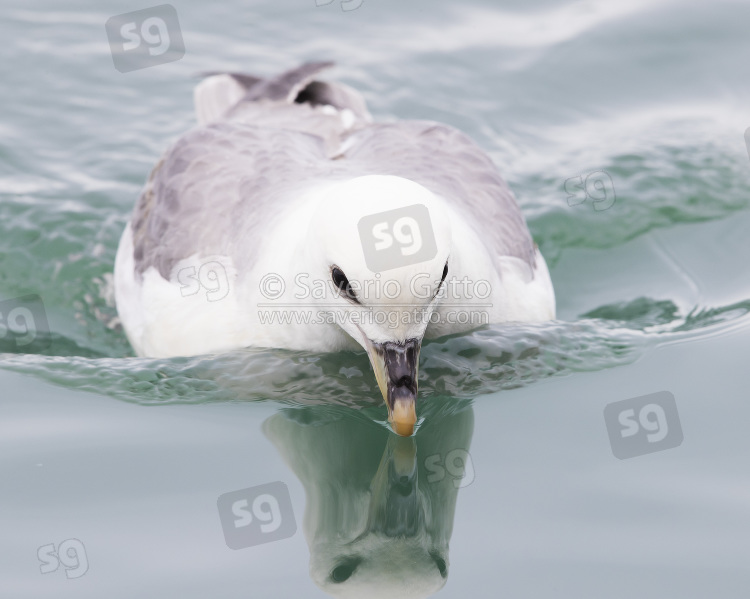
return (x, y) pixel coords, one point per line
(289, 219)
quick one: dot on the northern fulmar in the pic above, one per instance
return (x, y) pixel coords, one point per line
(289, 219)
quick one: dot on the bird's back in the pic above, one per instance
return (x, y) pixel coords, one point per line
(259, 140)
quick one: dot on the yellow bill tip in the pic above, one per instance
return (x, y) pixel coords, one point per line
(403, 418)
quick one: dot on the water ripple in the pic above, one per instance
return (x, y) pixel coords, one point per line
(461, 366)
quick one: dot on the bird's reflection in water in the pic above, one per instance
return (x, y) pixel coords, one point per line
(380, 507)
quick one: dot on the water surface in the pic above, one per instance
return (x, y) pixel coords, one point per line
(510, 487)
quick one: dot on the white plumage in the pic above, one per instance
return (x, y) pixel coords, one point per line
(227, 193)
(405, 230)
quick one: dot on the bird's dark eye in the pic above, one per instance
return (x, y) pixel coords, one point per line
(345, 569)
(442, 280)
(342, 284)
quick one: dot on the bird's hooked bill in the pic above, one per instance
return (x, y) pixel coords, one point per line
(396, 364)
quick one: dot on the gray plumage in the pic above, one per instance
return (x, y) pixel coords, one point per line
(219, 185)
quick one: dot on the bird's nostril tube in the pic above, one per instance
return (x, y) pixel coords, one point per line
(404, 381)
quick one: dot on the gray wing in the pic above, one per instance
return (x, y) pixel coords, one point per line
(450, 164)
(217, 189)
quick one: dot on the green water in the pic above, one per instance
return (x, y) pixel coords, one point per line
(129, 456)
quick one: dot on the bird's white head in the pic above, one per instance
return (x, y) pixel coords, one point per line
(384, 243)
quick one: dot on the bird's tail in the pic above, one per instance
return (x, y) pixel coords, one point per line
(220, 92)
